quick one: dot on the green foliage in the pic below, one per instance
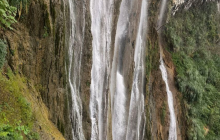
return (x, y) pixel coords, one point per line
(7, 132)
(21, 6)
(17, 2)
(3, 53)
(7, 14)
(193, 29)
(15, 112)
(192, 36)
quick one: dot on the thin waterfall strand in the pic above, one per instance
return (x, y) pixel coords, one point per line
(172, 128)
(117, 85)
(119, 128)
(136, 121)
(74, 80)
(101, 16)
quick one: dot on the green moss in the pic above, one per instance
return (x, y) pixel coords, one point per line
(148, 123)
(191, 36)
(47, 22)
(46, 34)
(88, 83)
(163, 113)
(40, 88)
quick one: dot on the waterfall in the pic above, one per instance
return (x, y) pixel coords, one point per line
(101, 17)
(119, 121)
(74, 65)
(172, 129)
(136, 120)
(178, 2)
(117, 85)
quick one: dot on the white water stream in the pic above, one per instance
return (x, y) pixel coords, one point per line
(136, 120)
(74, 54)
(117, 85)
(119, 115)
(172, 129)
(101, 17)
(126, 124)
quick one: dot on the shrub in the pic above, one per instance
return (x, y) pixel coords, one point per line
(7, 132)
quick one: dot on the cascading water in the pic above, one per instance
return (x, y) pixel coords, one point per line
(74, 54)
(117, 87)
(172, 129)
(101, 16)
(178, 2)
(136, 120)
(119, 121)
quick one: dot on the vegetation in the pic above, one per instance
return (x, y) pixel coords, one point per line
(21, 6)
(193, 37)
(17, 3)
(7, 14)
(3, 53)
(46, 34)
(163, 113)
(16, 118)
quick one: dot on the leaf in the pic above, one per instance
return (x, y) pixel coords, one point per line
(7, 14)
(3, 134)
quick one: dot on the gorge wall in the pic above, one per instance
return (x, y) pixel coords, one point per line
(90, 69)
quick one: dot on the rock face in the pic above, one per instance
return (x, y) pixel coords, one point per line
(186, 4)
(39, 42)
(37, 51)
(86, 66)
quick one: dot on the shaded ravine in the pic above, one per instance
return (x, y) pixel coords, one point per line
(173, 125)
(101, 17)
(137, 118)
(74, 66)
